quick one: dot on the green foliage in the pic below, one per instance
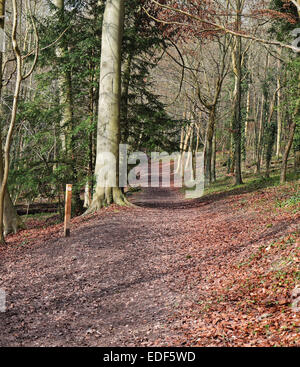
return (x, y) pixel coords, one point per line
(40, 168)
(144, 122)
(291, 201)
(284, 24)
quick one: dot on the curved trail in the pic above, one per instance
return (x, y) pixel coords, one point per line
(121, 275)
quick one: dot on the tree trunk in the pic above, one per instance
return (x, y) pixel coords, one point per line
(65, 95)
(11, 221)
(178, 168)
(297, 161)
(231, 156)
(213, 162)
(287, 152)
(259, 145)
(271, 131)
(246, 132)
(279, 121)
(209, 145)
(66, 122)
(190, 148)
(183, 150)
(295, 122)
(125, 101)
(236, 116)
(108, 134)
(8, 140)
(91, 165)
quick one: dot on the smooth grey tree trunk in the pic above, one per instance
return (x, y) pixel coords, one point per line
(108, 131)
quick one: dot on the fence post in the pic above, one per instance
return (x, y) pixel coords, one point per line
(68, 210)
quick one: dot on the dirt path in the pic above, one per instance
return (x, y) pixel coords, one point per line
(106, 285)
(118, 279)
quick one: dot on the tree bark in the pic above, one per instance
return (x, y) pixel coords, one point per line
(271, 129)
(8, 140)
(236, 116)
(296, 119)
(178, 168)
(125, 96)
(247, 121)
(279, 120)
(66, 121)
(184, 149)
(65, 94)
(208, 151)
(108, 132)
(213, 161)
(286, 153)
(260, 135)
(11, 221)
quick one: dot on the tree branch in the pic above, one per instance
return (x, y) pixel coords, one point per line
(222, 28)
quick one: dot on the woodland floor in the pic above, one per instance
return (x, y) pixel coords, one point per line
(214, 271)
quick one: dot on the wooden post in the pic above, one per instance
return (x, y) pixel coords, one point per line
(68, 210)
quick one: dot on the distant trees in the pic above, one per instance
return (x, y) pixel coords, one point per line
(293, 89)
(256, 102)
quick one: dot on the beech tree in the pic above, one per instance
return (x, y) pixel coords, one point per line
(108, 131)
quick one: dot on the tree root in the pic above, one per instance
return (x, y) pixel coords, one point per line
(107, 197)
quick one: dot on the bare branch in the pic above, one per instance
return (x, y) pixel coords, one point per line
(222, 28)
(36, 55)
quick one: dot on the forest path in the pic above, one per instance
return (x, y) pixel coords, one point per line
(105, 285)
(121, 275)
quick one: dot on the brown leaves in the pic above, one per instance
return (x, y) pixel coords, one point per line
(243, 299)
(204, 272)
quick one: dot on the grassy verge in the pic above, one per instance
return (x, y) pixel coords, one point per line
(252, 182)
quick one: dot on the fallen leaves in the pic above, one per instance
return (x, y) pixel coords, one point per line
(217, 271)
